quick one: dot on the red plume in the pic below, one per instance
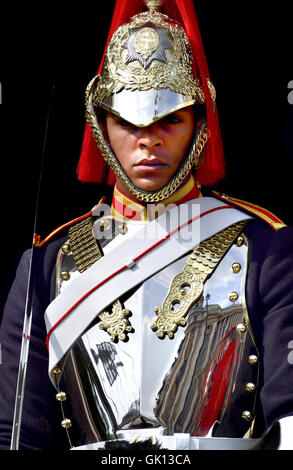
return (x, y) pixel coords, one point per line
(91, 167)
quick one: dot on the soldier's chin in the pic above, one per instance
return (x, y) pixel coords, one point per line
(150, 184)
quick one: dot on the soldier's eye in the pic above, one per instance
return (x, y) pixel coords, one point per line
(172, 119)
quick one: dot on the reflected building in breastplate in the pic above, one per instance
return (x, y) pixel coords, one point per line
(193, 394)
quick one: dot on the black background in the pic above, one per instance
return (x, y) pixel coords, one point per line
(58, 45)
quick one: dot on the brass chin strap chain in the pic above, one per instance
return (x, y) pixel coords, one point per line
(187, 286)
(85, 251)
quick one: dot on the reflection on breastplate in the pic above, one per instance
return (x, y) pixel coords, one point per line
(185, 384)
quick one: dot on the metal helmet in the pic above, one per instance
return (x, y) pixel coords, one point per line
(148, 72)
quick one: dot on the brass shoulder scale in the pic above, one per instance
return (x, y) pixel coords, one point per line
(83, 245)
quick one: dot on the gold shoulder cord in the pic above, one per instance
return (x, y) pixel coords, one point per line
(187, 286)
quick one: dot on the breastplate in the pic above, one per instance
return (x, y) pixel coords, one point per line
(185, 384)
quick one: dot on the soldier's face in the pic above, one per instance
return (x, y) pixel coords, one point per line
(150, 156)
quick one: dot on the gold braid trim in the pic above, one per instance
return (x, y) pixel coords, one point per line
(187, 286)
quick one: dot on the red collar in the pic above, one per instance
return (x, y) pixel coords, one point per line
(124, 207)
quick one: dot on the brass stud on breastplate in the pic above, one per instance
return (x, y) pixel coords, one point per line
(247, 416)
(66, 248)
(66, 423)
(233, 296)
(250, 387)
(56, 370)
(236, 268)
(65, 275)
(61, 396)
(240, 241)
(252, 359)
(241, 328)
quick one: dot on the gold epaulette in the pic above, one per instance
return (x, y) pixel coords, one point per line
(37, 239)
(258, 211)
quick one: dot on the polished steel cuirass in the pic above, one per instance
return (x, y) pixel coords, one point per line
(186, 384)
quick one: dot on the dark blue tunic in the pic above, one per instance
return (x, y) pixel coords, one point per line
(269, 297)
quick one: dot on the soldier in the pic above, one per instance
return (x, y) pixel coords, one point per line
(163, 313)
